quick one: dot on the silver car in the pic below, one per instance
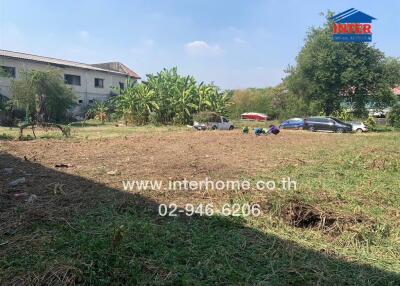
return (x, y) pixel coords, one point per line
(220, 123)
(359, 127)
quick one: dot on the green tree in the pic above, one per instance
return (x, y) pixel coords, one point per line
(179, 97)
(167, 97)
(43, 94)
(211, 98)
(394, 116)
(99, 111)
(333, 73)
(251, 100)
(391, 71)
(284, 104)
(277, 102)
(135, 103)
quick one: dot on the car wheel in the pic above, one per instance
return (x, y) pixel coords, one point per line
(339, 130)
(231, 127)
(214, 128)
(311, 128)
(359, 130)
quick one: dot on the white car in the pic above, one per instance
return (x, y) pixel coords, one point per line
(359, 127)
(222, 124)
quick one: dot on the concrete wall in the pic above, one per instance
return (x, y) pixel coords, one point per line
(85, 92)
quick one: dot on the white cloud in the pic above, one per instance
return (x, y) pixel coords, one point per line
(84, 35)
(202, 48)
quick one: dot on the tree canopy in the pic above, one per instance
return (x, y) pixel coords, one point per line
(42, 93)
(336, 73)
(167, 97)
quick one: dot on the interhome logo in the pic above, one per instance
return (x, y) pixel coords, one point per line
(352, 26)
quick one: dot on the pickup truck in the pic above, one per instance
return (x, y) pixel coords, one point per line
(222, 123)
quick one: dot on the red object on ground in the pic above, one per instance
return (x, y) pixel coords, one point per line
(255, 116)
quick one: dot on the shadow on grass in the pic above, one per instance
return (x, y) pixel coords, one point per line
(80, 231)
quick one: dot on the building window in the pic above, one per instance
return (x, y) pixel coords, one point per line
(121, 85)
(80, 101)
(72, 79)
(7, 71)
(99, 82)
(91, 101)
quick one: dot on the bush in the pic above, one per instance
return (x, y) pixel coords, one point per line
(370, 123)
(394, 116)
(99, 111)
(153, 119)
(342, 115)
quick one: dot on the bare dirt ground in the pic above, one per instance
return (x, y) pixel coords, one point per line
(225, 155)
(171, 156)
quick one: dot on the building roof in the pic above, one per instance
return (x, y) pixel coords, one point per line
(64, 63)
(352, 16)
(396, 90)
(117, 66)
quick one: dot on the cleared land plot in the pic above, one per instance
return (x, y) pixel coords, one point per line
(341, 225)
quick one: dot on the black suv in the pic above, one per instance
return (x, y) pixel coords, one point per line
(326, 124)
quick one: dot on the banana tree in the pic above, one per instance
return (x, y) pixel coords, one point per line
(135, 103)
(99, 111)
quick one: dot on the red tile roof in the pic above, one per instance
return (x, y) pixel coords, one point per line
(396, 90)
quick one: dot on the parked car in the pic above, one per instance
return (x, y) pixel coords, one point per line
(293, 123)
(326, 124)
(223, 124)
(359, 127)
(217, 123)
(254, 116)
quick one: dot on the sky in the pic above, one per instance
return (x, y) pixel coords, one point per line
(235, 44)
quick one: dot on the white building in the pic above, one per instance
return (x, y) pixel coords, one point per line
(90, 82)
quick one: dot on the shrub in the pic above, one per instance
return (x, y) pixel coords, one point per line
(394, 116)
(99, 111)
(153, 119)
(342, 115)
(370, 123)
